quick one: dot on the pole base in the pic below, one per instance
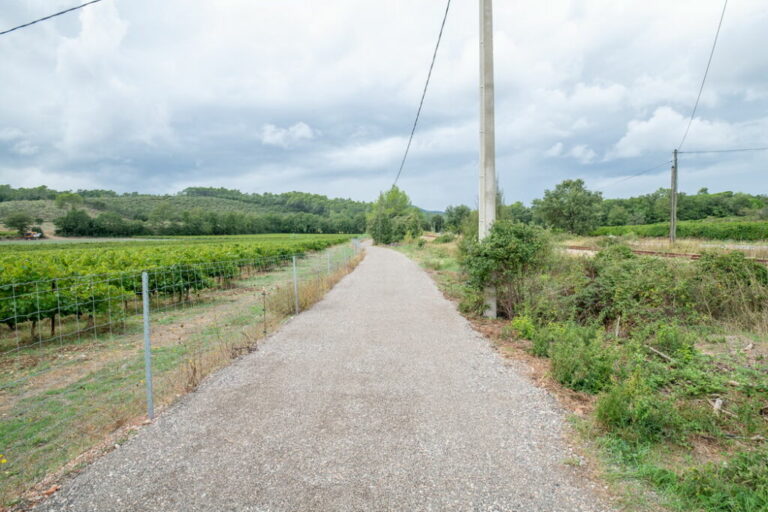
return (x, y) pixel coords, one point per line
(491, 310)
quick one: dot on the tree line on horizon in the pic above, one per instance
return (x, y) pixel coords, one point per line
(570, 207)
(573, 208)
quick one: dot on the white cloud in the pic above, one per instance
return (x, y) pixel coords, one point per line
(9, 134)
(555, 150)
(584, 154)
(271, 135)
(25, 148)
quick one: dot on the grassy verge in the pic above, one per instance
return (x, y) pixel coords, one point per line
(664, 364)
(60, 400)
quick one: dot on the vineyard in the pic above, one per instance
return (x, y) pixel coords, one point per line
(66, 284)
(72, 388)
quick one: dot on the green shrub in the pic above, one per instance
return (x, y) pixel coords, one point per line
(637, 412)
(544, 337)
(581, 360)
(445, 238)
(635, 289)
(524, 327)
(504, 258)
(674, 341)
(472, 301)
(421, 243)
(730, 286)
(738, 485)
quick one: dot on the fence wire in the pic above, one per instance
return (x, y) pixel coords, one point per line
(72, 355)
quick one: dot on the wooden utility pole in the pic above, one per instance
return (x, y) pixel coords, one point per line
(487, 203)
(673, 201)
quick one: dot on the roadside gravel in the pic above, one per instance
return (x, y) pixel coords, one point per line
(379, 398)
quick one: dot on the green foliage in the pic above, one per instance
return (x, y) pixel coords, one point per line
(20, 221)
(637, 412)
(195, 211)
(504, 258)
(581, 360)
(570, 207)
(635, 289)
(50, 279)
(69, 199)
(515, 212)
(438, 223)
(455, 216)
(654, 207)
(722, 230)
(730, 286)
(523, 326)
(445, 238)
(393, 218)
(738, 485)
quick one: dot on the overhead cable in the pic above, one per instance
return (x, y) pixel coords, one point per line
(424, 94)
(49, 17)
(703, 81)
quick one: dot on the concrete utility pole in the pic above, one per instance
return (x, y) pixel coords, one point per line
(487, 203)
(673, 201)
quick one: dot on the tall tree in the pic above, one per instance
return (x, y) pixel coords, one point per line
(393, 217)
(20, 221)
(570, 207)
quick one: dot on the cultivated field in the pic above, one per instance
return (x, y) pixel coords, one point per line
(77, 383)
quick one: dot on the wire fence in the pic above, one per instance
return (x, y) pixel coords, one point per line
(84, 357)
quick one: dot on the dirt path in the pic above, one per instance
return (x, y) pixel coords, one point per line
(381, 397)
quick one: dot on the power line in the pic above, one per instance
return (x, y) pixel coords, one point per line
(706, 72)
(424, 94)
(636, 174)
(49, 17)
(738, 150)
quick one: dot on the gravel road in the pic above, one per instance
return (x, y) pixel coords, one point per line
(379, 398)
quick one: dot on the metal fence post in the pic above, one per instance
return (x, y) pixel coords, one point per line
(264, 300)
(295, 285)
(147, 346)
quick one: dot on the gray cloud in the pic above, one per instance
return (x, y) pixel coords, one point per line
(277, 96)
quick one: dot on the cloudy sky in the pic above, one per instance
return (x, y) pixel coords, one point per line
(140, 95)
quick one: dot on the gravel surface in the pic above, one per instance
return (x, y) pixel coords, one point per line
(381, 397)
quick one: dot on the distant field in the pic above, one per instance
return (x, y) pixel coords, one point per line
(724, 229)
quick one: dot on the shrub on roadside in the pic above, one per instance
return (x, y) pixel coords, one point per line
(523, 326)
(581, 360)
(737, 485)
(635, 289)
(445, 238)
(637, 412)
(730, 286)
(504, 258)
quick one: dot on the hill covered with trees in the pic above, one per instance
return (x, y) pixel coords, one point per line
(194, 211)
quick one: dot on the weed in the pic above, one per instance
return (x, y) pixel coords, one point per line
(637, 412)
(581, 360)
(445, 238)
